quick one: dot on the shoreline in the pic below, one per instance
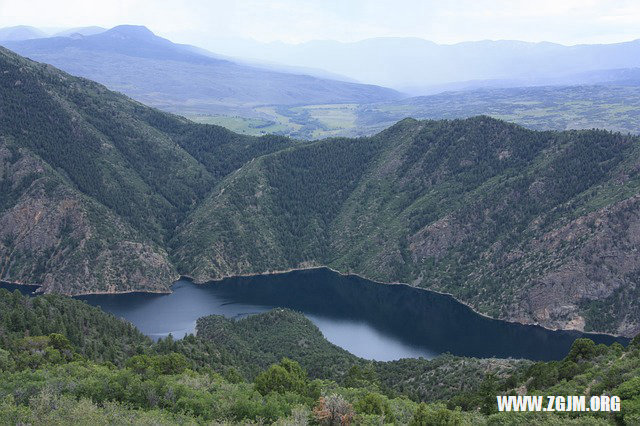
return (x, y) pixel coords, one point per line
(95, 293)
(20, 284)
(343, 274)
(353, 274)
(106, 293)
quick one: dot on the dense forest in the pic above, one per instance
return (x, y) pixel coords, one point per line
(510, 220)
(65, 362)
(102, 194)
(95, 183)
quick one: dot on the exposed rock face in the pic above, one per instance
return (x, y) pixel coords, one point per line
(93, 184)
(603, 264)
(54, 236)
(435, 239)
(560, 272)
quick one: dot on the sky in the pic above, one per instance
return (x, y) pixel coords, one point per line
(295, 21)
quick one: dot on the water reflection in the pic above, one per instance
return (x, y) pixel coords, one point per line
(374, 321)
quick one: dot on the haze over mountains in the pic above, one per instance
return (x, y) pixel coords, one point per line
(415, 65)
(412, 65)
(25, 32)
(309, 98)
(20, 32)
(132, 60)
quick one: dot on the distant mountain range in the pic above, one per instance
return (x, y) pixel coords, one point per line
(20, 32)
(419, 66)
(25, 32)
(103, 194)
(303, 91)
(411, 65)
(85, 31)
(175, 77)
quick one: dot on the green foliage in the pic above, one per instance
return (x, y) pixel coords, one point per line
(360, 377)
(582, 350)
(6, 361)
(436, 415)
(287, 376)
(44, 380)
(254, 343)
(67, 323)
(232, 375)
(173, 363)
(377, 404)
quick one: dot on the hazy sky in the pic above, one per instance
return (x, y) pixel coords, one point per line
(294, 21)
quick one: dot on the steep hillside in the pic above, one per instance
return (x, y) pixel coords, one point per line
(94, 183)
(523, 225)
(104, 194)
(53, 234)
(181, 78)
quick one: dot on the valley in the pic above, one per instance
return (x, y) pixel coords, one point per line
(319, 213)
(471, 207)
(603, 106)
(256, 98)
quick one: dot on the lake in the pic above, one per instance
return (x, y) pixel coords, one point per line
(371, 320)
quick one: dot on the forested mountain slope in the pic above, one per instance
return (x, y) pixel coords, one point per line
(93, 183)
(103, 194)
(523, 225)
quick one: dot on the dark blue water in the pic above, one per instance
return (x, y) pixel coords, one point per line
(24, 289)
(374, 321)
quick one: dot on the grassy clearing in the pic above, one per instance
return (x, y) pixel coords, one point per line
(243, 125)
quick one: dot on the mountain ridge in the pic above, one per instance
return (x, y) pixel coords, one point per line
(367, 60)
(183, 78)
(391, 246)
(108, 195)
(20, 32)
(119, 190)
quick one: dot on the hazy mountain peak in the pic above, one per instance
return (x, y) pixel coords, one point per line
(131, 31)
(80, 31)
(20, 32)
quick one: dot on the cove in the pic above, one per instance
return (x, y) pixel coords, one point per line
(374, 321)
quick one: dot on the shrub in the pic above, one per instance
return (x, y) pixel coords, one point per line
(333, 410)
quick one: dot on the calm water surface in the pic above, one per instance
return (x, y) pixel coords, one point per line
(373, 321)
